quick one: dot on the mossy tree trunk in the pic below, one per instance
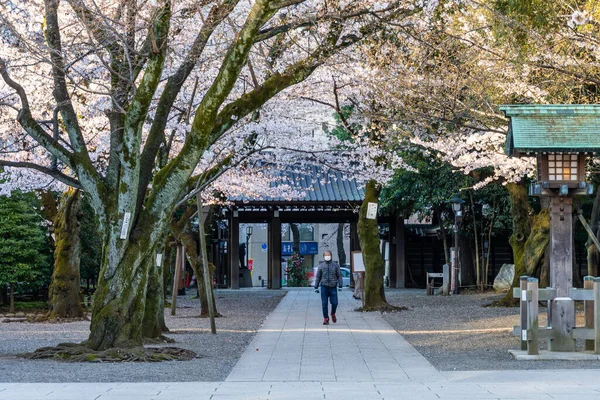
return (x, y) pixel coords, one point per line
(368, 234)
(154, 312)
(120, 298)
(64, 294)
(529, 240)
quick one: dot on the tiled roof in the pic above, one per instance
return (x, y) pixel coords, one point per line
(319, 187)
(556, 128)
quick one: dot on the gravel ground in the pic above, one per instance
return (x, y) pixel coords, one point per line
(460, 333)
(243, 313)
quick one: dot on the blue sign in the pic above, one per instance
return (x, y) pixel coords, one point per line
(306, 248)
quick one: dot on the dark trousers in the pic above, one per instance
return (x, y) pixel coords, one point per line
(329, 293)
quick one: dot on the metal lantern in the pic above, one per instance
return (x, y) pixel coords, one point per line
(457, 204)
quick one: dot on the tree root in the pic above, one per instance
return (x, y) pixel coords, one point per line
(73, 352)
(383, 308)
(159, 340)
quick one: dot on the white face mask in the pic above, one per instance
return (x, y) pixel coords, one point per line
(327, 258)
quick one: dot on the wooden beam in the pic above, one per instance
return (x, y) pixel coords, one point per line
(588, 230)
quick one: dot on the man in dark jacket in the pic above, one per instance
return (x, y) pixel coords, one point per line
(328, 277)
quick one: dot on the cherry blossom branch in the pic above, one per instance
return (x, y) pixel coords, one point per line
(67, 180)
(30, 125)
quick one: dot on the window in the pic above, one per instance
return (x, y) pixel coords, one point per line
(562, 167)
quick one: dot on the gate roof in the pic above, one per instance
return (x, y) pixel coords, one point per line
(319, 187)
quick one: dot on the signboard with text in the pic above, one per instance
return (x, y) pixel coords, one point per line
(306, 248)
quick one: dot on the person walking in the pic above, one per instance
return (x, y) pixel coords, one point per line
(328, 277)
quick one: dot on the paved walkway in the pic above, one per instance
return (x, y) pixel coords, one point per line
(295, 357)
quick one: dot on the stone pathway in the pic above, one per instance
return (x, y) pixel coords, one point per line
(295, 357)
(293, 345)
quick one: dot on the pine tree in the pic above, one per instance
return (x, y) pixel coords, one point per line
(22, 243)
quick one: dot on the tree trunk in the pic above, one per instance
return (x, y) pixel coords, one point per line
(340, 244)
(120, 298)
(368, 234)
(154, 313)
(64, 293)
(477, 262)
(529, 241)
(295, 238)
(535, 248)
(11, 308)
(521, 222)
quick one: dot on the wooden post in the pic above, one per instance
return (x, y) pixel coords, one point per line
(176, 280)
(234, 250)
(532, 317)
(588, 307)
(561, 273)
(523, 310)
(597, 315)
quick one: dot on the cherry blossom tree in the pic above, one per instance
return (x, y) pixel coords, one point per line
(123, 99)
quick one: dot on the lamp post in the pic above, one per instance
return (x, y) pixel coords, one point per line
(457, 204)
(248, 234)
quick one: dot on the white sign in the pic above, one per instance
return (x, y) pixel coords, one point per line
(357, 262)
(125, 227)
(263, 247)
(158, 259)
(372, 211)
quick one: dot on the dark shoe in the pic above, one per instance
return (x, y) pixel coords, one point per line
(326, 321)
(333, 318)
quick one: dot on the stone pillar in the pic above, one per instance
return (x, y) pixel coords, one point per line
(561, 273)
(233, 278)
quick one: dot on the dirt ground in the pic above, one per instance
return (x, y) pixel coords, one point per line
(462, 333)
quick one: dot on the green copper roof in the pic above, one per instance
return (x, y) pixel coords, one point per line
(559, 128)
